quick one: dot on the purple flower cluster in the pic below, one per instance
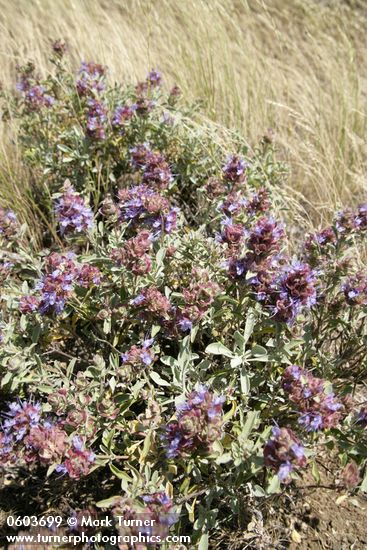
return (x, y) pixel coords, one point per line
(285, 290)
(57, 285)
(152, 303)
(156, 171)
(96, 119)
(139, 155)
(233, 204)
(59, 48)
(122, 115)
(136, 358)
(199, 424)
(264, 238)
(156, 516)
(20, 418)
(143, 106)
(348, 221)
(46, 443)
(8, 224)
(319, 409)
(72, 213)
(262, 241)
(36, 97)
(198, 298)
(355, 290)
(5, 269)
(141, 205)
(234, 170)
(362, 417)
(232, 233)
(153, 80)
(91, 79)
(284, 453)
(258, 202)
(88, 276)
(160, 506)
(133, 255)
(78, 460)
(26, 437)
(321, 239)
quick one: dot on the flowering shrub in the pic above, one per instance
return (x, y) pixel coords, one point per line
(167, 336)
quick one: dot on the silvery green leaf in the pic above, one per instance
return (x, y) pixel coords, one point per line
(167, 360)
(274, 486)
(155, 330)
(236, 361)
(204, 542)
(217, 348)
(158, 380)
(258, 350)
(249, 326)
(245, 382)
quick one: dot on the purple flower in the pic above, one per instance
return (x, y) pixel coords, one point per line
(185, 324)
(56, 286)
(345, 222)
(361, 217)
(318, 409)
(91, 79)
(355, 290)
(72, 213)
(122, 114)
(314, 243)
(139, 155)
(283, 453)
(156, 171)
(137, 357)
(153, 303)
(36, 98)
(298, 282)
(28, 304)
(170, 220)
(233, 204)
(198, 425)
(362, 417)
(154, 78)
(232, 233)
(265, 238)
(96, 119)
(284, 290)
(141, 205)
(78, 460)
(20, 418)
(311, 421)
(9, 226)
(284, 470)
(138, 300)
(258, 202)
(234, 169)
(77, 443)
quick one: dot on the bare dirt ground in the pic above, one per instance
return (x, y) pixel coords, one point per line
(308, 516)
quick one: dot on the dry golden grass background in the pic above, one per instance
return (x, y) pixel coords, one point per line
(296, 66)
